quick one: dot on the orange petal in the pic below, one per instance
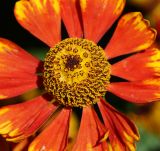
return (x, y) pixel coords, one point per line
(41, 18)
(22, 120)
(55, 136)
(138, 91)
(99, 15)
(123, 132)
(140, 66)
(17, 70)
(133, 33)
(91, 132)
(70, 15)
(21, 146)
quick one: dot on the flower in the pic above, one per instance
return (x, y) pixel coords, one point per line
(76, 74)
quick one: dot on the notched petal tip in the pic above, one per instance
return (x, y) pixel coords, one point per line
(133, 33)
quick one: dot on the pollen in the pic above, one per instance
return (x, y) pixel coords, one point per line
(76, 72)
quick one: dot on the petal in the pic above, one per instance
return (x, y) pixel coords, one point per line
(17, 70)
(71, 17)
(91, 132)
(122, 132)
(21, 146)
(11, 87)
(133, 33)
(98, 16)
(137, 91)
(140, 66)
(41, 18)
(11, 54)
(56, 132)
(22, 120)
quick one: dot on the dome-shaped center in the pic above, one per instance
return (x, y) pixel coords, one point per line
(72, 62)
(76, 72)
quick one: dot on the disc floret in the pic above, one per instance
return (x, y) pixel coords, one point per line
(76, 72)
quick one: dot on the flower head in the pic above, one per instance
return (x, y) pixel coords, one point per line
(76, 74)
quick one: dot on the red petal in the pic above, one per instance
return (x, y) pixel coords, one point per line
(11, 54)
(70, 16)
(91, 132)
(132, 34)
(138, 91)
(17, 70)
(22, 120)
(140, 66)
(21, 146)
(41, 18)
(55, 136)
(99, 15)
(122, 132)
(11, 87)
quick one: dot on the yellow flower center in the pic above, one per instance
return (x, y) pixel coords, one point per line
(76, 72)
